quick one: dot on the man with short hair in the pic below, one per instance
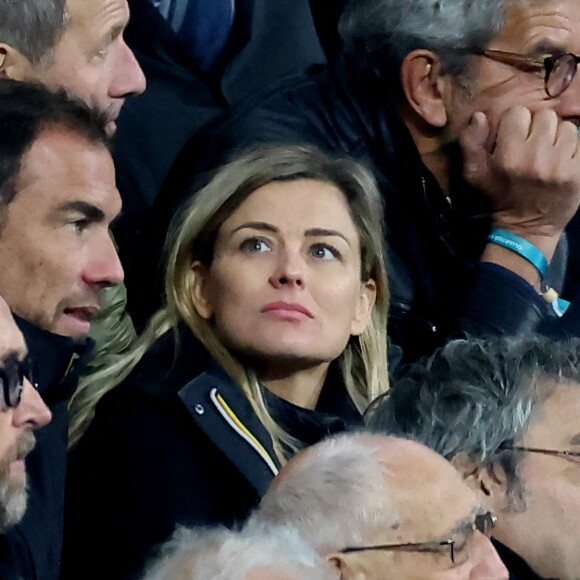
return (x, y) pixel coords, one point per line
(371, 504)
(255, 553)
(468, 113)
(21, 411)
(57, 201)
(505, 412)
(74, 44)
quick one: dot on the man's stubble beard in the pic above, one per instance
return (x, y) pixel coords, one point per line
(13, 492)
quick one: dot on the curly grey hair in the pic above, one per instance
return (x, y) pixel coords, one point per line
(477, 397)
(376, 35)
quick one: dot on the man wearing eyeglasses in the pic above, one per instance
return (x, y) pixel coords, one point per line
(505, 412)
(380, 507)
(468, 113)
(21, 411)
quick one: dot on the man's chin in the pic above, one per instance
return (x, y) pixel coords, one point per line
(13, 501)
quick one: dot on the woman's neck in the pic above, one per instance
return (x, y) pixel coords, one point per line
(301, 388)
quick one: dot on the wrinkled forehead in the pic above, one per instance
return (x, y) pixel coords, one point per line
(554, 422)
(542, 26)
(436, 516)
(431, 497)
(96, 12)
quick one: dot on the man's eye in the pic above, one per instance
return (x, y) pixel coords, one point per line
(255, 245)
(324, 252)
(79, 226)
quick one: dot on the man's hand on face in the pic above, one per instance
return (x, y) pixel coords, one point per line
(530, 170)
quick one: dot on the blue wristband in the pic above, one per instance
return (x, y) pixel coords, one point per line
(522, 247)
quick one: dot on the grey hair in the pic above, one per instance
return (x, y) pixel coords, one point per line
(33, 27)
(222, 554)
(377, 34)
(335, 494)
(477, 398)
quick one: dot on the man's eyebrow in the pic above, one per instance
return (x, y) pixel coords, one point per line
(325, 232)
(546, 46)
(256, 226)
(89, 211)
(114, 33)
(467, 521)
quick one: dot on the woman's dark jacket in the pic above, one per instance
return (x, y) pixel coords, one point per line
(176, 443)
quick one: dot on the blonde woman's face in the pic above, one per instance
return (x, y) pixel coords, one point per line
(284, 284)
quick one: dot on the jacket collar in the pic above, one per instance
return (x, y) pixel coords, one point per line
(222, 411)
(58, 360)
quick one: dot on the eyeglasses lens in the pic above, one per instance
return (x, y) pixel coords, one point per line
(561, 75)
(12, 376)
(485, 523)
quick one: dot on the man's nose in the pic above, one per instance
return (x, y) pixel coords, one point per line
(32, 411)
(489, 565)
(128, 77)
(289, 270)
(104, 268)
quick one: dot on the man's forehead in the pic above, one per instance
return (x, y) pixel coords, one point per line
(83, 12)
(67, 167)
(555, 421)
(542, 26)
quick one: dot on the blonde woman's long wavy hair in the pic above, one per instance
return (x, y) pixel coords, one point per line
(363, 363)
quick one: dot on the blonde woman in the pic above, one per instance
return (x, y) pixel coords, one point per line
(273, 336)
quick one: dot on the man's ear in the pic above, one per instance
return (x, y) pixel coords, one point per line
(198, 283)
(490, 483)
(13, 64)
(347, 568)
(425, 86)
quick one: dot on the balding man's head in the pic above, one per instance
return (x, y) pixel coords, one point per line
(363, 491)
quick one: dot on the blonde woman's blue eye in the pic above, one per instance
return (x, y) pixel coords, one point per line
(255, 245)
(324, 252)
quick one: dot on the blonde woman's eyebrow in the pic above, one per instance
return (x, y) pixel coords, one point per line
(256, 226)
(314, 232)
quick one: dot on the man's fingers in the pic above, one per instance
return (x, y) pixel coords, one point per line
(567, 139)
(513, 130)
(544, 126)
(473, 140)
